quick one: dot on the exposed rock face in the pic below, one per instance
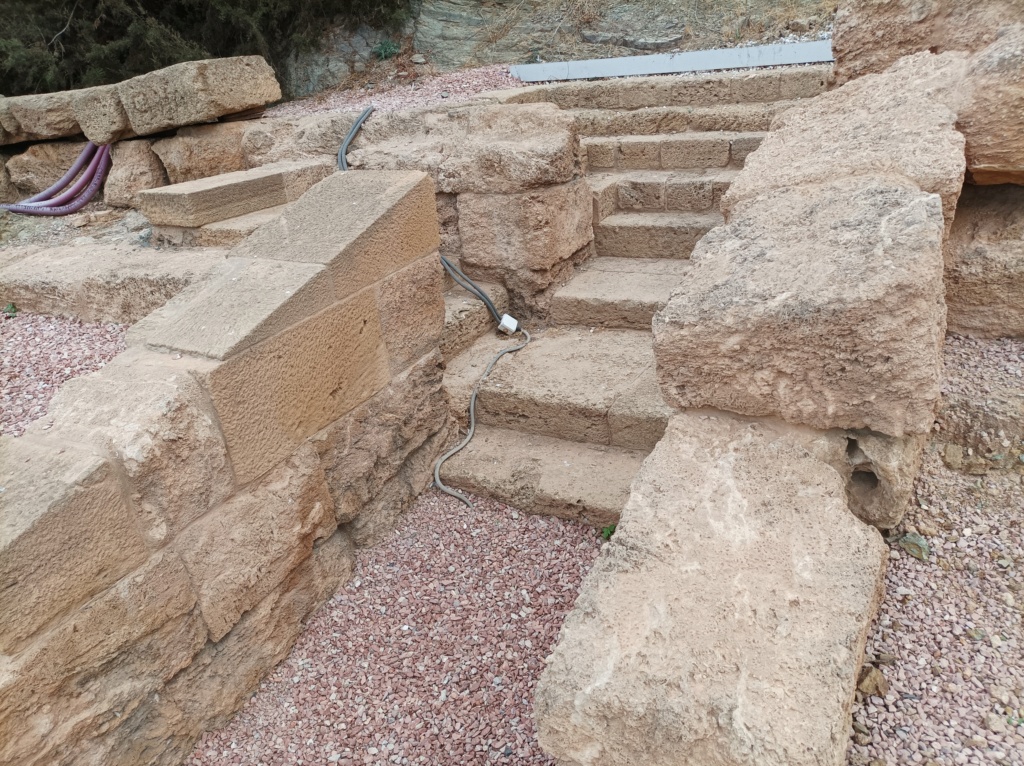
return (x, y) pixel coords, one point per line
(41, 165)
(870, 36)
(822, 304)
(985, 263)
(134, 168)
(725, 621)
(202, 151)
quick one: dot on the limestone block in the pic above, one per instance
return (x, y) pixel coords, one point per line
(206, 200)
(134, 168)
(68, 533)
(985, 263)
(197, 91)
(370, 455)
(483, 149)
(273, 139)
(272, 396)
(820, 304)
(411, 305)
(704, 151)
(100, 114)
(725, 621)
(202, 151)
(41, 165)
(466, 318)
(103, 283)
(849, 132)
(525, 236)
(148, 414)
(41, 116)
(240, 552)
(8, 191)
(361, 226)
(870, 37)
(8, 123)
(248, 301)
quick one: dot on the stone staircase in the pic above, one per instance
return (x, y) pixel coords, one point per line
(564, 424)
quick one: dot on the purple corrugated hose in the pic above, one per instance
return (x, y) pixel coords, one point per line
(80, 163)
(93, 175)
(74, 189)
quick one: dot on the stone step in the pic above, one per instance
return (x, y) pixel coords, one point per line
(466, 317)
(654, 120)
(691, 191)
(736, 583)
(670, 151)
(543, 475)
(652, 235)
(224, 233)
(584, 385)
(196, 203)
(617, 292)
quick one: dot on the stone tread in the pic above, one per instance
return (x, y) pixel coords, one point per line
(630, 191)
(617, 292)
(591, 385)
(744, 117)
(652, 234)
(688, 150)
(466, 318)
(544, 475)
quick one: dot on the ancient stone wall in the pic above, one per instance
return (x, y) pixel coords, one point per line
(181, 512)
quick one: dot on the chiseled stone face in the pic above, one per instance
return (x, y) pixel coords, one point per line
(725, 621)
(819, 304)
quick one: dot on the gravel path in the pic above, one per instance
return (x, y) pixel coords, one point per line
(977, 366)
(431, 652)
(949, 640)
(448, 88)
(38, 353)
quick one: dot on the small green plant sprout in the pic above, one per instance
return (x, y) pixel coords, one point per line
(386, 49)
(607, 532)
(10, 311)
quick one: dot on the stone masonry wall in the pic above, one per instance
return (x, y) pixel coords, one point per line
(198, 498)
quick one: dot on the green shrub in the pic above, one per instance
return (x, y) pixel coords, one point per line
(47, 46)
(386, 49)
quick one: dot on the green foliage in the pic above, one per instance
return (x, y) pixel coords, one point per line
(48, 45)
(607, 532)
(386, 49)
(10, 311)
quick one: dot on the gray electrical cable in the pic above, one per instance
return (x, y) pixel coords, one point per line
(342, 162)
(472, 423)
(470, 286)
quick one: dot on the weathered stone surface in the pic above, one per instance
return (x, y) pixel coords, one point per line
(202, 151)
(67, 533)
(870, 36)
(411, 306)
(73, 685)
(272, 396)
(197, 91)
(226, 233)
(466, 318)
(134, 168)
(361, 226)
(525, 238)
(104, 283)
(8, 191)
(484, 149)
(41, 165)
(380, 456)
(273, 139)
(148, 414)
(985, 263)
(880, 472)
(822, 304)
(206, 200)
(849, 132)
(725, 621)
(237, 554)
(986, 432)
(100, 114)
(38, 117)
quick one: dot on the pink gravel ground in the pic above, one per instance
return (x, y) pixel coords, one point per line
(429, 655)
(38, 353)
(396, 95)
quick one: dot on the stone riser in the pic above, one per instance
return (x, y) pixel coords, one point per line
(670, 152)
(679, 119)
(658, 191)
(652, 235)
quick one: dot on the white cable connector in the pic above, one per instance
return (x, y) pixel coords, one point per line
(509, 324)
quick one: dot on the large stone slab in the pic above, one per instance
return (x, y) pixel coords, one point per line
(725, 621)
(197, 91)
(38, 117)
(849, 132)
(195, 203)
(820, 304)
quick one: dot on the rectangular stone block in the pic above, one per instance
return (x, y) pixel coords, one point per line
(362, 226)
(741, 145)
(272, 396)
(691, 193)
(768, 321)
(412, 312)
(698, 150)
(42, 116)
(195, 203)
(639, 153)
(67, 533)
(197, 91)
(600, 152)
(240, 552)
(804, 81)
(100, 114)
(642, 192)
